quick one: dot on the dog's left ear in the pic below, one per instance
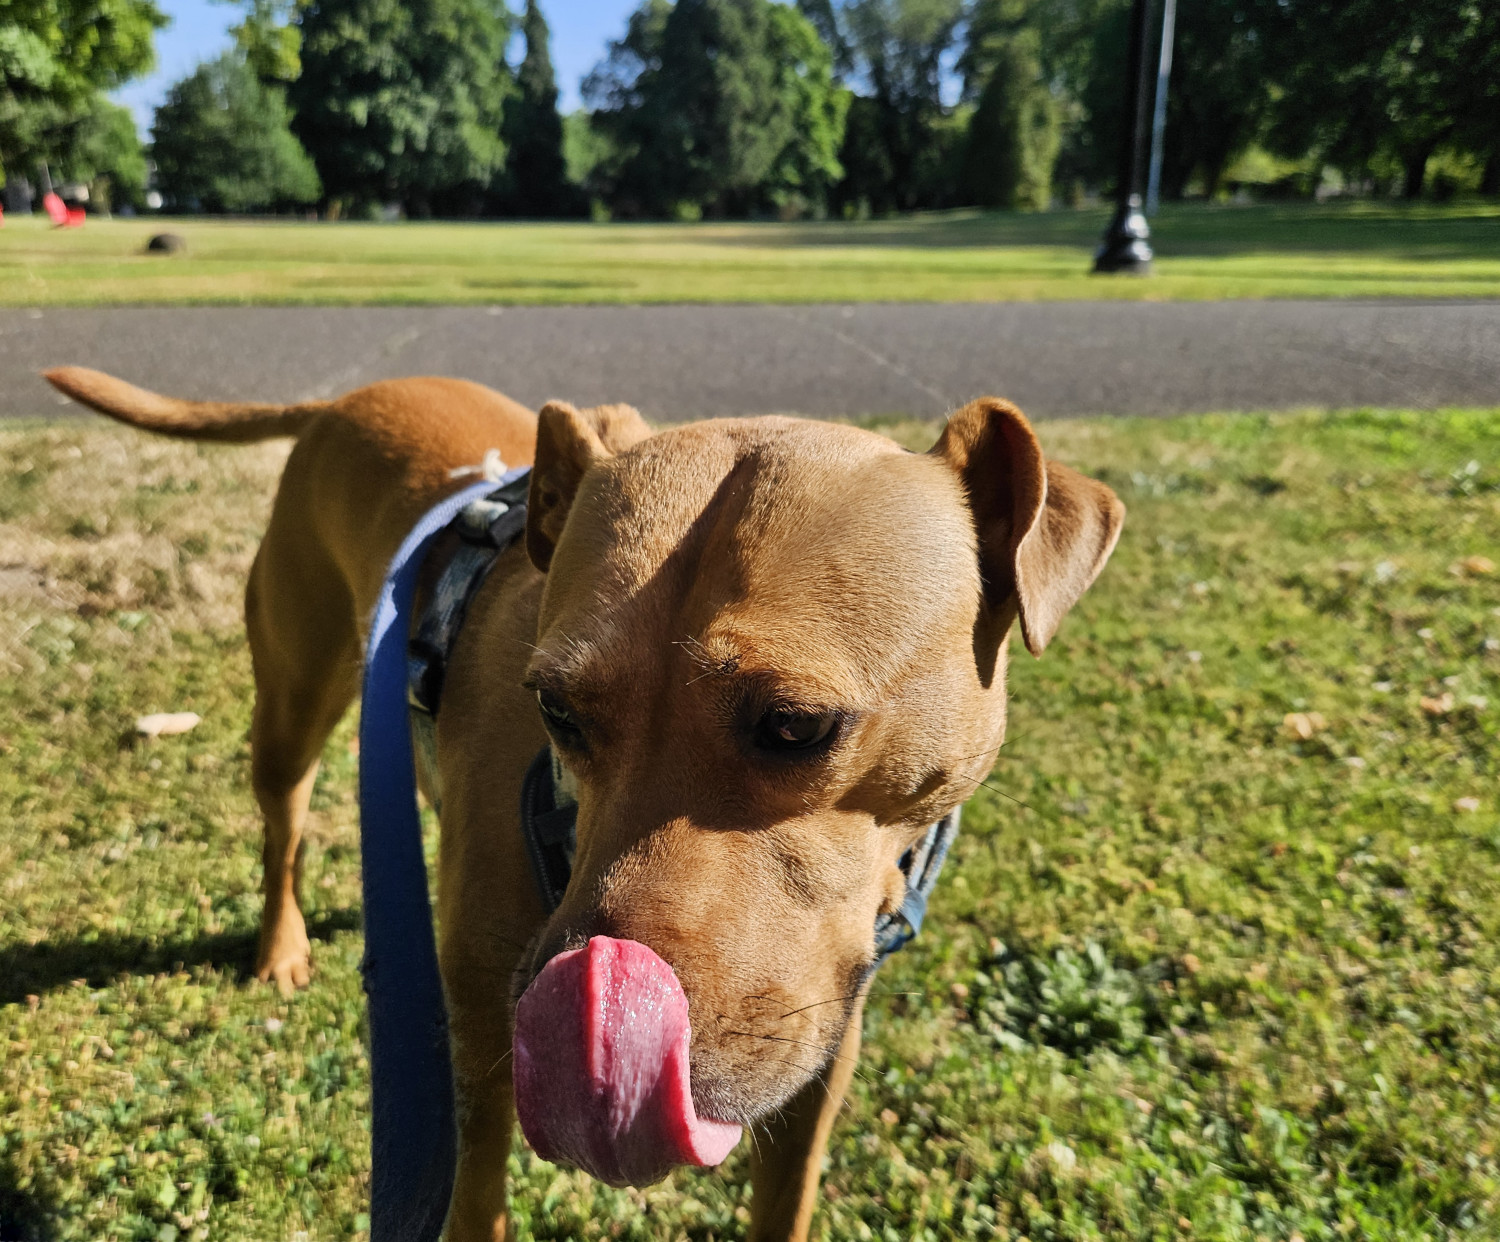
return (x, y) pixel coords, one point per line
(568, 442)
(1045, 531)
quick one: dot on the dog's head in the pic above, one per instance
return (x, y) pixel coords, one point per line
(770, 654)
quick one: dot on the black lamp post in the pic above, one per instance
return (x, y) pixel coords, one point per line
(1125, 247)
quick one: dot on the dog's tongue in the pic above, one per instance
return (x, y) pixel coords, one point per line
(601, 1067)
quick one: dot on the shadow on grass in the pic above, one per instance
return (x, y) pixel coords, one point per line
(24, 1217)
(32, 969)
(1180, 231)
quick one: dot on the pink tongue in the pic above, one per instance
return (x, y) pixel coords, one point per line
(601, 1067)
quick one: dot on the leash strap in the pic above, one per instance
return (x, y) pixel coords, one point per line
(414, 1136)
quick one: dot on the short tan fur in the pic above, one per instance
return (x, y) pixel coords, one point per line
(672, 588)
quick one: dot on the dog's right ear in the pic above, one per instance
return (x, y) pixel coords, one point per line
(568, 442)
(1044, 530)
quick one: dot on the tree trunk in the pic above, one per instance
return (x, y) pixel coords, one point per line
(1213, 175)
(1414, 172)
(1489, 182)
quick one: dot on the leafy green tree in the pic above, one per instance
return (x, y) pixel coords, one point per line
(1060, 45)
(1064, 32)
(899, 152)
(55, 56)
(807, 166)
(591, 157)
(221, 141)
(1364, 81)
(403, 100)
(723, 107)
(1477, 106)
(825, 20)
(1217, 106)
(536, 174)
(104, 152)
(1091, 152)
(1014, 133)
(271, 40)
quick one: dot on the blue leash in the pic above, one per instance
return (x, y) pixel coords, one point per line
(414, 1139)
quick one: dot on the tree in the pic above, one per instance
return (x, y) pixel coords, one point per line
(404, 102)
(55, 56)
(1060, 50)
(1217, 103)
(1014, 132)
(807, 166)
(723, 107)
(271, 40)
(104, 152)
(1017, 62)
(1477, 101)
(1363, 81)
(825, 20)
(899, 152)
(222, 143)
(536, 172)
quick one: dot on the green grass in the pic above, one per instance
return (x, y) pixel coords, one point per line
(1297, 251)
(1217, 957)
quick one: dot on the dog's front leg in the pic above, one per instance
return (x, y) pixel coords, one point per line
(481, 1043)
(487, 914)
(485, 1125)
(787, 1158)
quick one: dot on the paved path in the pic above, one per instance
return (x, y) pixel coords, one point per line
(677, 362)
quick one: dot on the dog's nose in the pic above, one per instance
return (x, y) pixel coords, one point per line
(565, 934)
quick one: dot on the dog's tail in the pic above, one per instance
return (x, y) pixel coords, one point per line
(168, 416)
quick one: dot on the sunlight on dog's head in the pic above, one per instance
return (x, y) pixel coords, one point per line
(770, 654)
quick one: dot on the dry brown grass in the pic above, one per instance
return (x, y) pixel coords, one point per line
(97, 519)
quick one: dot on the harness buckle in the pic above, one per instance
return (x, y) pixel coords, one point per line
(476, 521)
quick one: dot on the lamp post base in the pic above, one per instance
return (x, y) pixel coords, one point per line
(1125, 248)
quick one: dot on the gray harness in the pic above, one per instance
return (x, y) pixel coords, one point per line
(549, 818)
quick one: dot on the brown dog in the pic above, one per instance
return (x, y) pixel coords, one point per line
(768, 653)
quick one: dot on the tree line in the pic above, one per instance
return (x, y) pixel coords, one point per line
(735, 108)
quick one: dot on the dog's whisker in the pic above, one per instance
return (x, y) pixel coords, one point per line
(1012, 797)
(783, 1039)
(806, 1069)
(501, 939)
(833, 1000)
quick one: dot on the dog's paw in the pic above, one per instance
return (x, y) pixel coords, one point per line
(285, 958)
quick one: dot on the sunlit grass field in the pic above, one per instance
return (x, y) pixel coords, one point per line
(1289, 251)
(1217, 955)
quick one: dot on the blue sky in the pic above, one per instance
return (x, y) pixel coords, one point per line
(200, 31)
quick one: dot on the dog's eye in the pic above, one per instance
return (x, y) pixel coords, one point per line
(557, 717)
(787, 730)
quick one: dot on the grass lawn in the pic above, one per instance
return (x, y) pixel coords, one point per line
(1217, 956)
(1298, 251)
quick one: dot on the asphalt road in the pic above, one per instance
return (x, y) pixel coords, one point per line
(679, 362)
